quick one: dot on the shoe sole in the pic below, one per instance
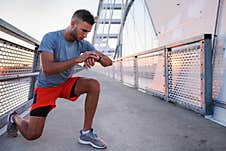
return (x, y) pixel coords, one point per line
(12, 133)
(90, 143)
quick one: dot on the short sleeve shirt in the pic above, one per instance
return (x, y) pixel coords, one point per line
(54, 42)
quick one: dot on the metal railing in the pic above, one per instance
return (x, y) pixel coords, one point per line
(19, 67)
(180, 73)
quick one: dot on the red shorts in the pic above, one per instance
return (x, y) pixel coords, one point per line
(47, 96)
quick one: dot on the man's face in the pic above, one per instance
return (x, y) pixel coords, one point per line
(80, 30)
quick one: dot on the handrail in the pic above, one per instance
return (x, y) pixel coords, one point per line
(18, 45)
(11, 30)
(190, 40)
(16, 57)
(179, 43)
(18, 76)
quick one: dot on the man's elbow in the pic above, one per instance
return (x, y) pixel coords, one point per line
(46, 71)
(108, 64)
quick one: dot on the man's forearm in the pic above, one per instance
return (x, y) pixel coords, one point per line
(58, 67)
(50, 66)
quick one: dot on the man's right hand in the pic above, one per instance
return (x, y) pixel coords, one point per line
(86, 55)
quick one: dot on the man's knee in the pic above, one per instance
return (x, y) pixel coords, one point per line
(35, 128)
(33, 136)
(94, 85)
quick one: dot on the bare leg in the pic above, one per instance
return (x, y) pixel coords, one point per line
(32, 128)
(92, 88)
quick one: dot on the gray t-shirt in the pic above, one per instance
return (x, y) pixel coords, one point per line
(54, 42)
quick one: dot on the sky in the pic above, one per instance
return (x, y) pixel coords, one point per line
(37, 17)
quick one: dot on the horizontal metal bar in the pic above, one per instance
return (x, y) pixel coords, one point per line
(107, 21)
(77, 68)
(11, 30)
(17, 76)
(17, 45)
(112, 6)
(220, 104)
(189, 40)
(111, 50)
(143, 53)
(180, 43)
(106, 36)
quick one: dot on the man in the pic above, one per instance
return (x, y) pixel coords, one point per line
(60, 51)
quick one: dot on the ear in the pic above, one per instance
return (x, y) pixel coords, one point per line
(73, 23)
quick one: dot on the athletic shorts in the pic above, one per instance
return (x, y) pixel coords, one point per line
(46, 97)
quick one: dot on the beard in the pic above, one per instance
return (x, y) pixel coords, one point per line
(74, 33)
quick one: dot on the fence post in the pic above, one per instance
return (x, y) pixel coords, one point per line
(207, 75)
(166, 74)
(136, 84)
(113, 71)
(34, 69)
(121, 70)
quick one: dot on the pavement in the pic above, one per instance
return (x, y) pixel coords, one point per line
(128, 120)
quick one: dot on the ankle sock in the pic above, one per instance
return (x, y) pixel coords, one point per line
(11, 119)
(85, 132)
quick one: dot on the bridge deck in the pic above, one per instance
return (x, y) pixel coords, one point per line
(128, 120)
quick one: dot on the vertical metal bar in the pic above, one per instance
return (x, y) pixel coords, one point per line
(34, 69)
(119, 42)
(208, 108)
(136, 85)
(97, 25)
(121, 70)
(149, 14)
(166, 95)
(113, 71)
(202, 87)
(216, 28)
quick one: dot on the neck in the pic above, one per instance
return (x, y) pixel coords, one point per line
(67, 35)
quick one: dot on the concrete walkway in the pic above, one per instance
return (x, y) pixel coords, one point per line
(128, 120)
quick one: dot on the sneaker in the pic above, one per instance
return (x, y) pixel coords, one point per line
(11, 127)
(92, 139)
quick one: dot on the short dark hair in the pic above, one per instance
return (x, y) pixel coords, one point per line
(84, 15)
